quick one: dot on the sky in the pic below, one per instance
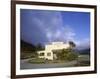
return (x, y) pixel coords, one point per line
(45, 26)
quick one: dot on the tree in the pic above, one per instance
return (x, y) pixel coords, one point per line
(39, 46)
(66, 54)
(72, 44)
(72, 56)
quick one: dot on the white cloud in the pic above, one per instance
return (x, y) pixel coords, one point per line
(51, 23)
(48, 26)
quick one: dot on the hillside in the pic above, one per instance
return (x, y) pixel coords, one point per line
(30, 47)
(29, 50)
(84, 51)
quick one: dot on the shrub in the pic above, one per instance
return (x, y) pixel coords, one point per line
(67, 54)
(37, 60)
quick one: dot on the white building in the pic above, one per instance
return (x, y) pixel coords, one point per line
(48, 54)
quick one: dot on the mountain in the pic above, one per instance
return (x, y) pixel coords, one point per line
(84, 51)
(25, 46)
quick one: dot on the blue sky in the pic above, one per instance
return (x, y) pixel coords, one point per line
(44, 26)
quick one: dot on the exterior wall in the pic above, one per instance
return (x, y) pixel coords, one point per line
(53, 46)
(49, 57)
(39, 52)
(46, 54)
(56, 45)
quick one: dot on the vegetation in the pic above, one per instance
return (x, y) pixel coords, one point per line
(67, 54)
(29, 55)
(30, 47)
(37, 60)
(29, 50)
(72, 44)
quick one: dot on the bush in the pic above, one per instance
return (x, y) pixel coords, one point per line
(37, 60)
(28, 55)
(67, 54)
(72, 56)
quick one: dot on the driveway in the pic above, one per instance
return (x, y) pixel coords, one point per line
(25, 65)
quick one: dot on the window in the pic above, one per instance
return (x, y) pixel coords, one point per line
(41, 54)
(48, 54)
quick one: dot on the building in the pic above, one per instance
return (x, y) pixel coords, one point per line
(48, 52)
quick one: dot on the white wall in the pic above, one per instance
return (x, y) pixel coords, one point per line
(5, 40)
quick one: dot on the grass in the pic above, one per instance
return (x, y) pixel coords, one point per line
(37, 61)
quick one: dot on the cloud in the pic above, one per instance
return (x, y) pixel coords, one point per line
(60, 34)
(52, 24)
(38, 26)
(45, 26)
(83, 44)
